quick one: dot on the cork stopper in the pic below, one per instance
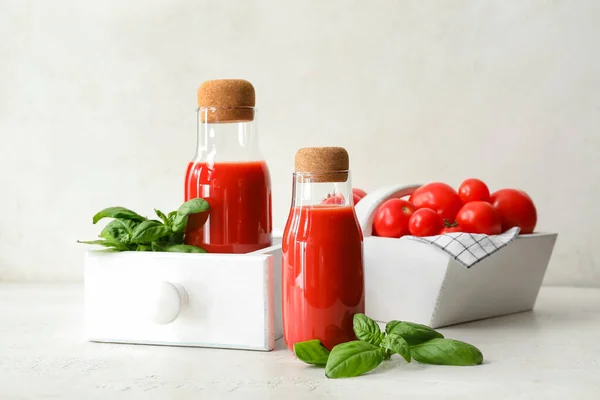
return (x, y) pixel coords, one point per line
(226, 100)
(325, 164)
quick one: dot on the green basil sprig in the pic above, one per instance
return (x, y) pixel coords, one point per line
(112, 243)
(118, 212)
(149, 231)
(446, 352)
(311, 352)
(397, 344)
(162, 216)
(353, 359)
(366, 329)
(183, 248)
(407, 339)
(411, 332)
(129, 231)
(193, 206)
(119, 229)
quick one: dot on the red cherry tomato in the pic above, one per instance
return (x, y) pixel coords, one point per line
(451, 229)
(357, 195)
(439, 197)
(425, 222)
(359, 192)
(516, 209)
(479, 217)
(473, 190)
(391, 219)
(337, 198)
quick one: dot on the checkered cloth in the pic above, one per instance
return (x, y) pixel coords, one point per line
(469, 248)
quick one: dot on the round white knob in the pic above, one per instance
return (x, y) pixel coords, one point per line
(162, 302)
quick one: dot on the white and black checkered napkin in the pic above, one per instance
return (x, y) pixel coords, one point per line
(469, 248)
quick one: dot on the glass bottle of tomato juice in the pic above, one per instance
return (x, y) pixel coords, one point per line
(229, 172)
(322, 246)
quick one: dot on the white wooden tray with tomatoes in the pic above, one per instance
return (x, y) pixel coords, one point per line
(416, 281)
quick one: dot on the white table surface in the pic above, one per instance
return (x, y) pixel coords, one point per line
(551, 353)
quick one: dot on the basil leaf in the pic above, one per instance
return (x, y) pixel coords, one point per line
(184, 248)
(149, 231)
(389, 327)
(120, 229)
(176, 238)
(353, 359)
(113, 243)
(311, 352)
(118, 212)
(446, 352)
(156, 246)
(171, 218)
(144, 247)
(192, 206)
(162, 216)
(411, 332)
(387, 355)
(397, 344)
(366, 329)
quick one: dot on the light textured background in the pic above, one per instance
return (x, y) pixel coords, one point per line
(97, 107)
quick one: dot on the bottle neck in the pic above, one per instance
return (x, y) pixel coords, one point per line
(226, 141)
(320, 190)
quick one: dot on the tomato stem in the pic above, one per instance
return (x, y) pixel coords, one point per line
(448, 224)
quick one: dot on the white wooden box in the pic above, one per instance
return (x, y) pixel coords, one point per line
(180, 299)
(413, 281)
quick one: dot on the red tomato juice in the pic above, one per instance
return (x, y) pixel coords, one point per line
(323, 280)
(239, 195)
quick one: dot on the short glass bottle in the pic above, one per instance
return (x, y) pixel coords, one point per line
(322, 246)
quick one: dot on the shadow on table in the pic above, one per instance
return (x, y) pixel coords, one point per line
(527, 321)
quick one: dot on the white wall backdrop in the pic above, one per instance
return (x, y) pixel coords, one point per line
(97, 107)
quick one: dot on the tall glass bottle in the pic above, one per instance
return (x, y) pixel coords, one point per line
(229, 172)
(322, 246)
